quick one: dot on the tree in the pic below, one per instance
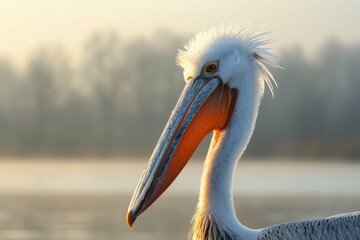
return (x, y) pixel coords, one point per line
(102, 72)
(49, 80)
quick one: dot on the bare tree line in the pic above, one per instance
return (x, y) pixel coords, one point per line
(117, 100)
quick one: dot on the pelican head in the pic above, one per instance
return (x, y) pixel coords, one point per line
(224, 75)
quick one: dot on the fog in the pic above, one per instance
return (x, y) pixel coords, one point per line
(117, 99)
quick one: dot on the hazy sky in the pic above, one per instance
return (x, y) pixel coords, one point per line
(25, 24)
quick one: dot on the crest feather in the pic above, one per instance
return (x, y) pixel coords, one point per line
(239, 36)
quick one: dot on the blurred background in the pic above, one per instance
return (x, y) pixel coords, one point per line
(86, 88)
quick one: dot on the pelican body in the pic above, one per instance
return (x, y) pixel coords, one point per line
(225, 79)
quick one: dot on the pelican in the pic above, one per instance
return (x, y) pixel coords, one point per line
(225, 75)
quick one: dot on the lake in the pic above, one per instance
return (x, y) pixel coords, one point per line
(74, 199)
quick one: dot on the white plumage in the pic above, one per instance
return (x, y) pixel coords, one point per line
(225, 77)
(221, 42)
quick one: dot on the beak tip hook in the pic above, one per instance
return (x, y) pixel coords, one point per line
(130, 219)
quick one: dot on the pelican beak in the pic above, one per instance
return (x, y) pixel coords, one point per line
(205, 104)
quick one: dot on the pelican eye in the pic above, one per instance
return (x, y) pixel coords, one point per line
(211, 68)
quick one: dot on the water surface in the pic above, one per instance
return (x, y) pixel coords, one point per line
(44, 200)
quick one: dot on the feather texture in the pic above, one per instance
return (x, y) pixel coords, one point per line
(220, 41)
(206, 226)
(334, 228)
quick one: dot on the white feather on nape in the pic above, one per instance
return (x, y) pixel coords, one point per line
(266, 75)
(223, 39)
